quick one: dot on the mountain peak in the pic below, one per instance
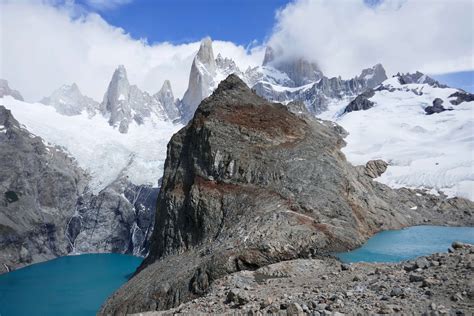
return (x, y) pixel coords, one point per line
(6, 90)
(373, 76)
(68, 100)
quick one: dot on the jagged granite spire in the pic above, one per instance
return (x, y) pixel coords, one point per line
(68, 100)
(166, 97)
(116, 100)
(373, 76)
(201, 79)
(6, 90)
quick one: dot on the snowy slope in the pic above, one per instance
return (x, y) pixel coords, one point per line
(424, 151)
(99, 148)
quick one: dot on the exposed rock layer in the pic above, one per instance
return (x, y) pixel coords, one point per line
(247, 184)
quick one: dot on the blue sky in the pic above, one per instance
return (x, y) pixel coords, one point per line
(184, 21)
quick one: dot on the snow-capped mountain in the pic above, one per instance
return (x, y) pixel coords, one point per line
(68, 100)
(6, 90)
(278, 79)
(424, 150)
(298, 69)
(124, 103)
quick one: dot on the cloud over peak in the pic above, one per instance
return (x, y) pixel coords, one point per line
(405, 35)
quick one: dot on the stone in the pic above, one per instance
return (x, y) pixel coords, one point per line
(396, 292)
(422, 263)
(415, 278)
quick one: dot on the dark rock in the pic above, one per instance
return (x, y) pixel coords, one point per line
(461, 96)
(415, 278)
(436, 108)
(39, 187)
(361, 102)
(422, 263)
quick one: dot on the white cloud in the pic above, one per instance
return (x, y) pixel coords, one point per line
(43, 47)
(343, 37)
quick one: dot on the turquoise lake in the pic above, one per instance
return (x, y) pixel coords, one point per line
(408, 243)
(71, 285)
(78, 285)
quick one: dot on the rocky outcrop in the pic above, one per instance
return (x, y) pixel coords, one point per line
(375, 168)
(6, 90)
(248, 184)
(460, 97)
(201, 79)
(437, 107)
(419, 78)
(361, 102)
(327, 287)
(68, 100)
(39, 187)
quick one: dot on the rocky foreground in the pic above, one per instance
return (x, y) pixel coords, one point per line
(438, 284)
(249, 186)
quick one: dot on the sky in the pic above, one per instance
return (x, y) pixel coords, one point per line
(47, 43)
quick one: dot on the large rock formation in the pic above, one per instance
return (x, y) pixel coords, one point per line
(124, 103)
(68, 100)
(166, 97)
(201, 79)
(6, 90)
(247, 184)
(39, 186)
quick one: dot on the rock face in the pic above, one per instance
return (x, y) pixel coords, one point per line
(460, 97)
(361, 102)
(124, 103)
(116, 100)
(68, 100)
(437, 107)
(6, 90)
(166, 97)
(247, 184)
(418, 77)
(201, 79)
(39, 186)
(119, 220)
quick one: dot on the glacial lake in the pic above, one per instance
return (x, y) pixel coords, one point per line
(78, 285)
(71, 285)
(408, 243)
